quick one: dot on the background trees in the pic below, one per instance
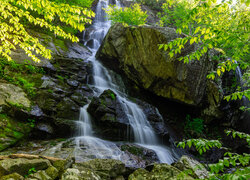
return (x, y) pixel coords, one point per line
(16, 16)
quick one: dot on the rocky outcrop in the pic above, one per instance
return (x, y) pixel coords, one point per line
(111, 120)
(26, 166)
(59, 91)
(134, 52)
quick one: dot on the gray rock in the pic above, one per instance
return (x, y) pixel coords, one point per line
(188, 163)
(11, 94)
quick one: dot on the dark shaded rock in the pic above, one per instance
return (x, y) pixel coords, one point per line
(141, 155)
(134, 52)
(155, 119)
(110, 119)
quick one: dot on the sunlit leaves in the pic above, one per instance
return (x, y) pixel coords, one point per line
(127, 16)
(13, 32)
(201, 145)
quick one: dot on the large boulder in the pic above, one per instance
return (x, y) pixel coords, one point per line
(134, 51)
(187, 163)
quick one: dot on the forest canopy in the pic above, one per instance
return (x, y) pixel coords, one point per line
(17, 15)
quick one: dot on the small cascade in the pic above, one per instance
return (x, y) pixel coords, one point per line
(88, 146)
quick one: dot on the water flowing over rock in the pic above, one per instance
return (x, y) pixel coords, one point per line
(134, 51)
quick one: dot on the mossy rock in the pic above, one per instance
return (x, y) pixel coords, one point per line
(14, 176)
(12, 131)
(160, 171)
(22, 165)
(132, 149)
(75, 174)
(105, 168)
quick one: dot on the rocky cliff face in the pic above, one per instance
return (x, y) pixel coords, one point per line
(58, 91)
(134, 52)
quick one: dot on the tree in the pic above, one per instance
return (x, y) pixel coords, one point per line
(127, 16)
(16, 15)
(221, 26)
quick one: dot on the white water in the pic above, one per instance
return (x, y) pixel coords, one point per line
(143, 132)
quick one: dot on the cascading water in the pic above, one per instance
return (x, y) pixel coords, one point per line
(142, 130)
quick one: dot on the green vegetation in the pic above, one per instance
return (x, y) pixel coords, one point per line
(221, 26)
(239, 161)
(193, 127)
(16, 16)
(24, 75)
(31, 171)
(153, 4)
(127, 16)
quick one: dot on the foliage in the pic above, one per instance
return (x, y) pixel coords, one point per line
(153, 4)
(221, 26)
(193, 126)
(239, 134)
(20, 74)
(85, 3)
(31, 171)
(32, 122)
(232, 159)
(15, 14)
(239, 161)
(127, 16)
(201, 145)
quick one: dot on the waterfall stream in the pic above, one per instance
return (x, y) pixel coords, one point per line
(144, 134)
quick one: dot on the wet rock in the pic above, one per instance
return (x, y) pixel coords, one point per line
(155, 119)
(22, 166)
(139, 154)
(75, 174)
(110, 119)
(105, 168)
(160, 171)
(134, 52)
(188, 163)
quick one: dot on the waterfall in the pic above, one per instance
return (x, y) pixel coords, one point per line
(142, 130)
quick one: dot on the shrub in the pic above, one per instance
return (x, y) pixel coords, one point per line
(127, 16)
(193, 127)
